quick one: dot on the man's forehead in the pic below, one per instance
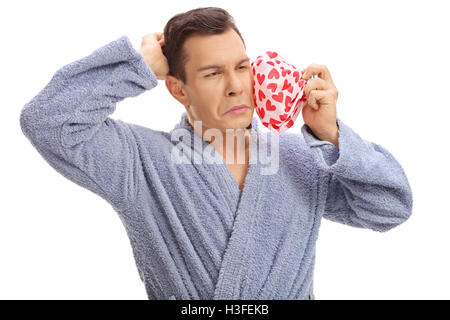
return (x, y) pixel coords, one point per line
(215, 50)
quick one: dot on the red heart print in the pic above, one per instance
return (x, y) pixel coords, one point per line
(278, 97)
(301, 83)
(291, 88)
(296, 75)
(272, 86)
(258, 62)
(283, 117)
(272, 54)
(285, 71)
(262, 113)
(273, 74)
(260, 78)
(273, 121)
(295, 97)
(269, 106)
(261, 95)
(288, 102)
(289, 123)
(287, 85)
(271, 63)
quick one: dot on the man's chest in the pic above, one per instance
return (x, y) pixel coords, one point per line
(239, 172)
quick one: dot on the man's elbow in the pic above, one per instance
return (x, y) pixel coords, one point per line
(401, 211)
(399, 216)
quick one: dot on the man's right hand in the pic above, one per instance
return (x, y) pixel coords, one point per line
(152, 53)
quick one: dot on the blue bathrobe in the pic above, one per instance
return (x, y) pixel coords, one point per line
(193, 233)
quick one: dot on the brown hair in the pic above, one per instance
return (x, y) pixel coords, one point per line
(208, 20)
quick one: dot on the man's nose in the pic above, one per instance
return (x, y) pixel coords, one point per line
(235, 85)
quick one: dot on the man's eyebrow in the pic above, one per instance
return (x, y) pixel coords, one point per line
(219, 67)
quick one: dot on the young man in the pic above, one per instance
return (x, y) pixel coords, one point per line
(206, 227)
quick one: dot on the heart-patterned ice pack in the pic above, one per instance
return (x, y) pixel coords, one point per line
(278, 91)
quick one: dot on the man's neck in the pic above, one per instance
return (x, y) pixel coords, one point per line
(235, 148)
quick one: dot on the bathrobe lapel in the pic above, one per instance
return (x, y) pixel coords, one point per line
(232, 269)
(240, 208)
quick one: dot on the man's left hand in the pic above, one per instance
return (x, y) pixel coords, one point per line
(319, 112)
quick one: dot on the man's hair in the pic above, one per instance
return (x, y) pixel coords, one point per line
(208, 20)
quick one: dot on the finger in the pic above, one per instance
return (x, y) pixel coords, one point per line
(153, 35)
(312, 102)
(315, 98)
(319, 69)
(147, 37)
(316, 84)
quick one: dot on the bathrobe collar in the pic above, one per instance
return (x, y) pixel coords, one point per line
(221, 167)
(242, 205)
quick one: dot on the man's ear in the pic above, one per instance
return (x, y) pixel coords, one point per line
(176, 89)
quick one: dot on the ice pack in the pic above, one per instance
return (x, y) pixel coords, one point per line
(278, 91)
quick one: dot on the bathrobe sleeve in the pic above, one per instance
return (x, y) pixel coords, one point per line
(68, 121)
(368, 187)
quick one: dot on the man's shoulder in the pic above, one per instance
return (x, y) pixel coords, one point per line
(295, 153)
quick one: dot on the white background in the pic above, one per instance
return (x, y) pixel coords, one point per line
(389, 61)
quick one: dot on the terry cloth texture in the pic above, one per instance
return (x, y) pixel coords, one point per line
(193, 233)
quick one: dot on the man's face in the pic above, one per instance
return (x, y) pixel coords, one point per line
(211, 92)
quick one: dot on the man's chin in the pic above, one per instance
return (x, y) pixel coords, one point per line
(240, 121)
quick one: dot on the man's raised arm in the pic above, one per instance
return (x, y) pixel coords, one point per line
(68, 121)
